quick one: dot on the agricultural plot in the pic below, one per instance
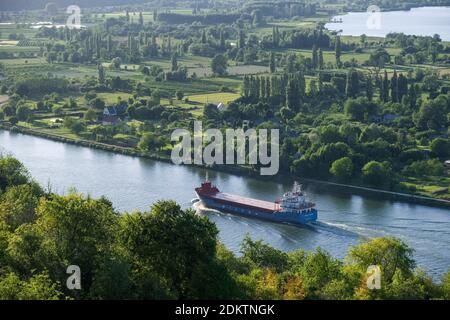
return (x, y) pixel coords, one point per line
(10, 29)
(232, 71)
(292, 24)
(12, 63)
(329, 56)
(217, 97)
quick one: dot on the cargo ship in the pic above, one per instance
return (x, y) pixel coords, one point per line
(292, 207)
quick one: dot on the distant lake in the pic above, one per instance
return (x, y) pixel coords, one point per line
(425, 21)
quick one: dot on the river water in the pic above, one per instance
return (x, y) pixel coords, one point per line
(135, 183)
(425, 21)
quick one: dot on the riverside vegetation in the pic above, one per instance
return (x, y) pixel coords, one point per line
(170, 253)
(359, 110)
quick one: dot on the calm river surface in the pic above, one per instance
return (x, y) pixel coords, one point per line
(135, 183)
(425, 21)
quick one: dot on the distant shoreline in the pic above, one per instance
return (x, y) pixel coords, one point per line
(336, 19)
(393, 10)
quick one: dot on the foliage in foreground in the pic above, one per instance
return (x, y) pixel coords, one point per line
(170, 253)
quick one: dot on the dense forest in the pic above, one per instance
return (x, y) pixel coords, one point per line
(170, 253)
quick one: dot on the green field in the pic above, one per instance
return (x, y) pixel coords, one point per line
(218, 97)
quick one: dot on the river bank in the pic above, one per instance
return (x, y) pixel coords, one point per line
(242, 171)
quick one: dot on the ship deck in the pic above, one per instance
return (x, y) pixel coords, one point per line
(265, 205)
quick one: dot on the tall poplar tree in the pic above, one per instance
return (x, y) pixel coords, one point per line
(272, 63)
(337, 50)
(394, 87)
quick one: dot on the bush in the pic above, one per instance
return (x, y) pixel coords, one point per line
(440, 147)
(342, 169)
(377, 173)
(22, 113)
(425, 167)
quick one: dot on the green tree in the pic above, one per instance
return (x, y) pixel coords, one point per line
(222, 42)
(203, 36)
(315, 58)
(179, 246)
(12, 173)
(76, 230)
(18, 205)
(369, 88)
(272, 63)
(402, 86)
(384, 91)
(391, 254)
(338, 51)
(13, 120)
(149, 142)
(23, 112)
(262, 255)
(352, 85)
(359, 109)
(342, 169)
(394, 87)
(377, 173)
(275, 37)
(379, 58)
(446, 286)
(97, 103)
(440, 147)
(174, 62)
(241, 39)
(432, 114)
(421, 168)
(101, 74)
(90, 115)
(412, 94)
(38, 287)
(219, 64)
(318, 270)
(179, 95)
(292, 95)
(320, 59)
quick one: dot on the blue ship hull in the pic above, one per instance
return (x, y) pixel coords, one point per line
(281, 217)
